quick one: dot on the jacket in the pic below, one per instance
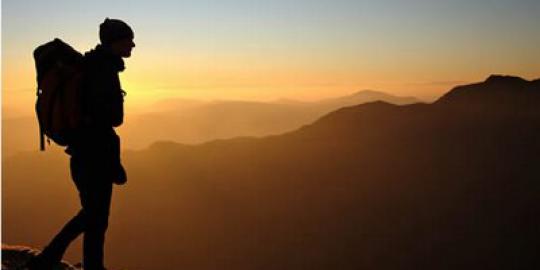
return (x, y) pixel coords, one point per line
(102, 100)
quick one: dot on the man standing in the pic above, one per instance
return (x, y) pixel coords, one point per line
(95, 149)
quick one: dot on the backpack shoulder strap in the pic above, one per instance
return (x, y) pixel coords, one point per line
(40, 126)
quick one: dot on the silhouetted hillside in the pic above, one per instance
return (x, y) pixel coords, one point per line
(448, 185)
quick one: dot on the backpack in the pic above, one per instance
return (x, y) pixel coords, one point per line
(59, 91)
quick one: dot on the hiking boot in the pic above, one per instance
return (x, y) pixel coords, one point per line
(81, 266)
(41, 262)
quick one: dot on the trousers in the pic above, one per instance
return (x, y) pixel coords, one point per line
(93, 182)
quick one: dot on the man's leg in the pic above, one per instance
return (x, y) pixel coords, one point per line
(96, 205)
(55, 250)
(93, 170)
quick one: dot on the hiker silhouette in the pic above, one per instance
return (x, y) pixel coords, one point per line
(94, 148)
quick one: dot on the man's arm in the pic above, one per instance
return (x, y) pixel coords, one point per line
(104, 99)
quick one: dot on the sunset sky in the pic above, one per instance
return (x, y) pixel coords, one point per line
(266, 50)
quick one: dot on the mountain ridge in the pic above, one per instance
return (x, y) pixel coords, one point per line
(478, 97)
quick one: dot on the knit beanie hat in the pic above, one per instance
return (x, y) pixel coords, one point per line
(112, 30)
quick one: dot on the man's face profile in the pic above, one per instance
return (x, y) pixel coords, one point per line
(123, 47)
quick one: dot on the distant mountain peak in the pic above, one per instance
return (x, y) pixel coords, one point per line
(368, 91)
(496, 89)
(497, 78)
(366, 96)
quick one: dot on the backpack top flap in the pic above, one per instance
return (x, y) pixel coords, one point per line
(53, 54)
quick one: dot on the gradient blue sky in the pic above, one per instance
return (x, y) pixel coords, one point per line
(295, 49)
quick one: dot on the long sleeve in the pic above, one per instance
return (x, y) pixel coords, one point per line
(103, 99)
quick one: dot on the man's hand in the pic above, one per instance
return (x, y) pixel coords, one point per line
(120, 177)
